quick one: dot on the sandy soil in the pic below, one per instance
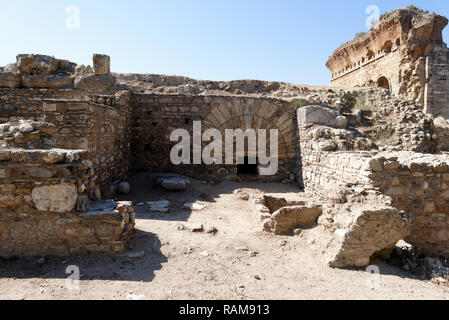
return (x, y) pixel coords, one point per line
(186, 265)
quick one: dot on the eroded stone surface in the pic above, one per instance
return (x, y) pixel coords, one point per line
(56, 198)
(101, 64)
(287, 219)
(371, 231)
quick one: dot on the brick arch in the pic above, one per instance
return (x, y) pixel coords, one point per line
(248, 113)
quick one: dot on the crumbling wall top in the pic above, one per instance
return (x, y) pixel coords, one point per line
(417, 32)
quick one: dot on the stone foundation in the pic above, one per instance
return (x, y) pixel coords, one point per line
(67, 233)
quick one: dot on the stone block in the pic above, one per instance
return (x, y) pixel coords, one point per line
(316, 115)
(36, 64)
(101, 64)
(56, 198)
(47, 81)
(10, 80)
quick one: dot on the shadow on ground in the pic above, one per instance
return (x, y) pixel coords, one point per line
(144, 189)
(93, 267)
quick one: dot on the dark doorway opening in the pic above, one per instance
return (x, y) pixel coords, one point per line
(383, 83)
(248, 168)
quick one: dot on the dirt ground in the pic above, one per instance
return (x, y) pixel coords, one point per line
(180, 264)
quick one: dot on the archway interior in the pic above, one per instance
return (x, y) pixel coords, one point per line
(383, 83)
(248, 167)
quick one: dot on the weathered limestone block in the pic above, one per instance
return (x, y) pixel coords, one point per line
(10, 80)
(281, 216)
(175, 184)
(188, 89)
(66, 67)
(5, 155)
(53, 157)
(47, 81)
(55, 198)
(38, 172)
(11, 68)
(101, 64)
(122, 98)
(36, 64)
(10, 200)
(341, 122)
(370, 231)
(317, 115)
(286, 219)
(95, 82)
(82, 69)
(326, 145)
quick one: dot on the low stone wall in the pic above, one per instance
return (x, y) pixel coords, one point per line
(46, 233)
(278, 215)
(417, 183)
(44, 202)
(331, 173)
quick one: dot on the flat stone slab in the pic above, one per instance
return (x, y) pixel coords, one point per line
(159, 206)
(101, 209)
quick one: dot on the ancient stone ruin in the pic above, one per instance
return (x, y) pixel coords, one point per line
(405, 54)
(370, 157)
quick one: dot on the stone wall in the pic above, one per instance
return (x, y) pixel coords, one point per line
(405, 53)
(368, 73)
(64, 138)
(437, 82)
(418, 185)
(98, 123)
(156, 116)
(44, 205)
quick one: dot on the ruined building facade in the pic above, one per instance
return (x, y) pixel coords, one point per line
(404, 53)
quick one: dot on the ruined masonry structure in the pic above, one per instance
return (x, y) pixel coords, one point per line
(373, 161)
(70, 134)
(405, 54)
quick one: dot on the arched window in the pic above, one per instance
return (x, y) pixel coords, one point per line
(383, 82)
(387, 46)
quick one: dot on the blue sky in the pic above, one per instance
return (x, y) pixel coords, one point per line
(278, 40)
